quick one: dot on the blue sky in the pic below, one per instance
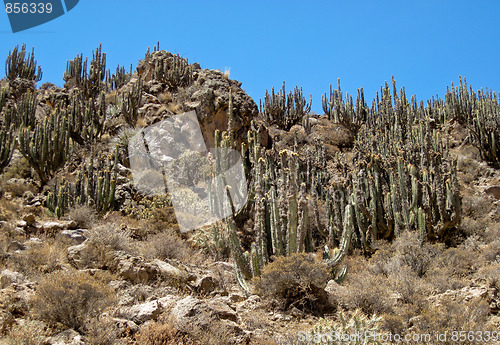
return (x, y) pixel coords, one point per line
(425, 44)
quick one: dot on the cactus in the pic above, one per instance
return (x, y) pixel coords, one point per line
(119, 78)
(7, 142)
(91, 82)
(47, 145)
(94, 187)
(86, 119)
(174, 72)
(131, 102)
(18, 65)
(285, 110)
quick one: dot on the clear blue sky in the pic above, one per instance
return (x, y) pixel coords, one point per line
(425, 44)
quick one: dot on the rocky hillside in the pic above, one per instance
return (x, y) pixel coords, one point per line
(379, 217)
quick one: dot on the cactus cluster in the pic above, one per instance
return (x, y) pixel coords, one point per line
(20, 65)
(480, 111)
(47, 145)
(86, 118)
(7, 142)
(90, 82)
(174, 72)
(131, 102)
(95, 187)
(116, 80)
(283, 194)
(285, 110)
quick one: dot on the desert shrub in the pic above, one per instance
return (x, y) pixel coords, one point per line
(344, 324)
(491, 252)
(451, 316)
(157, 333)
(85, 216)
(46, 257)
(295, 281)
(113, 236)
(28, 332)
(409, 287)
(409, 251)
(100, 331)
(70, 298)
(475, 206)
(167, 245)
(365, 290)
(450, 269)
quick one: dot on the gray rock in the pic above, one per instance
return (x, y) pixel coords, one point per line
(67, 337)
(8, 277)
(15, 245)
(170, 272)
(207, 284)
(141, 313)
(73, 236)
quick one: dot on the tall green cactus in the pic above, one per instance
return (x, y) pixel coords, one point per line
(285, 110)
(47, 145)
(95, 187)
(174, 72)
(91, 81)
(20, 65)
(7, 142)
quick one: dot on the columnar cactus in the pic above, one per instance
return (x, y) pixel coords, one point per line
(47, 145)
(174, 72)
(91, 82)
(86, 119)
(285, 110)
(18, 65)
(7, 142)
(131, 102)
(94, 187)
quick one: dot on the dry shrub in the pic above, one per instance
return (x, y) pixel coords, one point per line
(167, 245)
(450, 269)
(409, 287)
(46, 257)
(100, 331)
(491, 252)
(113, 236)
(28, 332)
(412, 253)
(365, 290)
(451, 316)
(158, 333)
(71, 299)
(85, 216)
(475, 206)
(296, 281)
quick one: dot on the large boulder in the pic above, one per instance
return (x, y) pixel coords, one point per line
(206, 91)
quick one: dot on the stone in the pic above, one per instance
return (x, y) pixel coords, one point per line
(141, 313)
(21, 224)
(207, 284)
(494, 191)
(134, 269)
(30, 219)
(6, 321)
(170, 272)
(15, 245)
(125, 327)
(8, 277)
(67, 337)
(73, 236)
